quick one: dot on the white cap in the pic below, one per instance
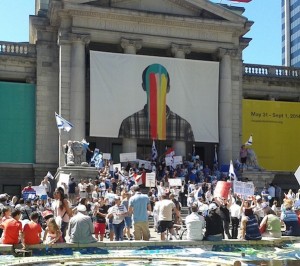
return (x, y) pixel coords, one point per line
(258, 197)
(81, 208)
(212, 206)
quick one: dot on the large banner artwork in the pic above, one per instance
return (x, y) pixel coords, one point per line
(146, 97)
(275, 128)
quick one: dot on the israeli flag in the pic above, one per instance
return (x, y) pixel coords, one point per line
(63, 123)
(154, 151)
(232, 174)
(249, 142)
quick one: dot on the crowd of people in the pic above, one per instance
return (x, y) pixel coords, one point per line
(113, 205)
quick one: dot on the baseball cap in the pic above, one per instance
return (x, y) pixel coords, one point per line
(81, 208)
(258, 197)
(212, 206)
(47, 214)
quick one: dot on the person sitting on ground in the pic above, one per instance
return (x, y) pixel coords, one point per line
(271, 223)
(52, 233)
(290, 219)
(12, 229)
(214, 224)
(249, 226)
(32, 231)
(195, 224)
(81, 227)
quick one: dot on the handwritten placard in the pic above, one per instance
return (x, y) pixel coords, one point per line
(106, 156)
(175, 182)
(150, 179)
(128, 157)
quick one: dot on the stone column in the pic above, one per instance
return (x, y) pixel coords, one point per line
(77, 89)
(130, 46)
(179, 51)
(225, 107)
(64, 89)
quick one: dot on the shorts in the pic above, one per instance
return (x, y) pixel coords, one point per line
(128, 222)
(162, 226)
(99, 228)
(110, 227)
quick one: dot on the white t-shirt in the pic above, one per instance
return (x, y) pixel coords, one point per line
(195, 224)
(165, 208)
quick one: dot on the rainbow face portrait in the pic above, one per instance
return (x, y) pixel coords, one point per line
(156, 85)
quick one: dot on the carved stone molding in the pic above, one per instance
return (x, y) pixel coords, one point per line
(180, 50)
(223, 51)
(131, 45)
(68, 38)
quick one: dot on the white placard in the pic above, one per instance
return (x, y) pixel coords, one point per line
(128, 157)
(297, 175)
(106, 156)
(147, 164)
(175, 182)
(63, 178)
(117, 165)
(169, 161)
(177, 160)
(150, 179)
(40, 190)
(245, 189)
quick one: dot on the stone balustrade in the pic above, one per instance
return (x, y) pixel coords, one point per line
(270, 71)
(17, 48)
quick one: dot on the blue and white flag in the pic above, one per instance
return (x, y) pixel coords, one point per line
(232, 174)
(154, 151)
(63, 123)
(216, 156)
(49, 175)
(249, 142)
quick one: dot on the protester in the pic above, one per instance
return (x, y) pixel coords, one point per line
(249, 226)
(62, 210)
(81, 228)
(117, 213)
(52, 233)
(214, 224)
(12, 229)
(139, 206)
(290, 219)
(32, 231)
(270, 226)
(195, 225)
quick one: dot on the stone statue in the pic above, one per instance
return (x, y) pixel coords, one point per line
(76, 154)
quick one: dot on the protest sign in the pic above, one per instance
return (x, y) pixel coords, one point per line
(40, 191)
(128, 157)
(147, 164)
(106, 156)
(222, 189)
(245, 189)
(150, 179)
(175, 182)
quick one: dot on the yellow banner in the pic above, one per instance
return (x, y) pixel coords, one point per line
(275, 127)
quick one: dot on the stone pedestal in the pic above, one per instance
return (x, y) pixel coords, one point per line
(78, 172)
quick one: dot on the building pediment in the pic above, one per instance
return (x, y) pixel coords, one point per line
(187, 8)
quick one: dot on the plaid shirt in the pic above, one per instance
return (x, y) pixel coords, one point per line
(137, 126)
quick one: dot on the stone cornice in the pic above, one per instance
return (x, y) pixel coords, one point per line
(157, 19)
(69, 38)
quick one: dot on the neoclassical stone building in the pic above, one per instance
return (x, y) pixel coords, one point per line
(56, 62)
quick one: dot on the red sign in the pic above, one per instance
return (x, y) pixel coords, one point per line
(222, 189)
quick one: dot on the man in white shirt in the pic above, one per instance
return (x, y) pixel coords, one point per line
(235, 213)
(195, 224)
(165, 209)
